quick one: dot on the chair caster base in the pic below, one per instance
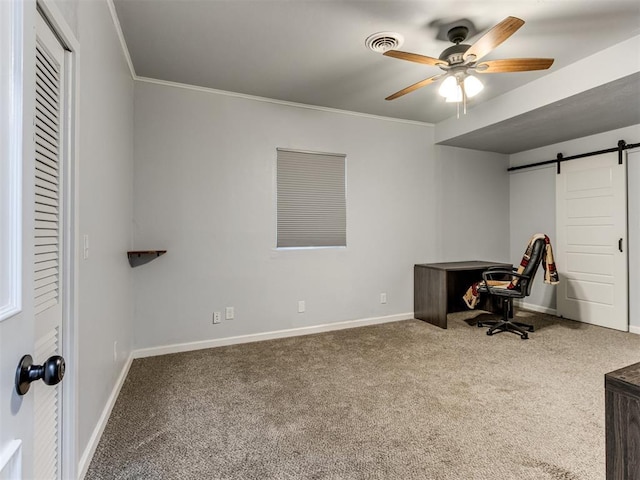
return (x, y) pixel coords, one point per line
(526, 326)
(507, 326)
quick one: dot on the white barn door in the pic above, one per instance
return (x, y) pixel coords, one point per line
(591, 230)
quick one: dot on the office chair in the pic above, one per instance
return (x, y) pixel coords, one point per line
(510, 285)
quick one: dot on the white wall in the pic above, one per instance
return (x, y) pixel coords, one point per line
(533, 197)
(473, 210)
(204, 190)
(106, 203)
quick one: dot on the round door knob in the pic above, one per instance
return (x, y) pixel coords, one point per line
(50, 372)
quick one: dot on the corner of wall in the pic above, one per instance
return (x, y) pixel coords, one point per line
(90, 448)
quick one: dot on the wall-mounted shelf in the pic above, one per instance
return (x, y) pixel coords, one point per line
(140, 257)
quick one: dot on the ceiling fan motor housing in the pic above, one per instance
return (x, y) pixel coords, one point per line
(453, 55)
(458, 34)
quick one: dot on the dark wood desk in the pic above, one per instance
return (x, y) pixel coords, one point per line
(438, 288)
(622, 422)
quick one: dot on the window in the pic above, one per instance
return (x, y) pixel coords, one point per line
(311, 199)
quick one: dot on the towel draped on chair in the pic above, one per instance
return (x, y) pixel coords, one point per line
(472, 296)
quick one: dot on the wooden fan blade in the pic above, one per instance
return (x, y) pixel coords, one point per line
(413, 57)
(493, 38)
(514, 65)
(413, 87)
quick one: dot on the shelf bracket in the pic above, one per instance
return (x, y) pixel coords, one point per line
(140, 257)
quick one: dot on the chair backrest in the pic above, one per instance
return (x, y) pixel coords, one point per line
(537, 252)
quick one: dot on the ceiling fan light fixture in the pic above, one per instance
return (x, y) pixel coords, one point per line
(452, 89)
(449, 87)
(472, 86)
(460, 60)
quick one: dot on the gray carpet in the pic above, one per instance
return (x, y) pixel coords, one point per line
(403, 400)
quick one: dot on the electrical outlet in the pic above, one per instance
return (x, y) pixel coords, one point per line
(383, 298)
(301, 306)
(229, 313)
(217, 317)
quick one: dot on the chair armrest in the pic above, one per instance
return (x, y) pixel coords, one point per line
(497, 272)
(488, 274)
(501, 268)
(492, 290)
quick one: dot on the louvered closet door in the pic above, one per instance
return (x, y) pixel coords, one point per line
(47, 264)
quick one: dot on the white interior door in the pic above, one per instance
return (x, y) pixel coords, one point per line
(36, 153)
(591, 220)
(48, 262)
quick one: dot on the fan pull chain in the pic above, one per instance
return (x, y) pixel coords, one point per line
(464, 98)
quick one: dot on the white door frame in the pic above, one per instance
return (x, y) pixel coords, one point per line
(70, 268)
(633, 235)
(11, 126)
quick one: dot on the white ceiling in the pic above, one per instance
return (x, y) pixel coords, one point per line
(313, 51)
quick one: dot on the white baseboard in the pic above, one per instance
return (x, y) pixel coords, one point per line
(552, 311)
(87, 455)
(257, 337)
(536, 308)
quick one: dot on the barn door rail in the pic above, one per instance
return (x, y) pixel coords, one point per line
(622, 145)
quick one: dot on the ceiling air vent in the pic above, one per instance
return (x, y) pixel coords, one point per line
(383, 41)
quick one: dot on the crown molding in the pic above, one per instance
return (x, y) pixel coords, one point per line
(278, 102)
(123, 42)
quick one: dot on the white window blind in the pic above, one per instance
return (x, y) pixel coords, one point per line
(311, 199)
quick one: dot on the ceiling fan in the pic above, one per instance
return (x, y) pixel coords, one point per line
(460, 61)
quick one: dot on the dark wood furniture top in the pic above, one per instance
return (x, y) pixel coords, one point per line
(438, 288)
(622, 423)
(146, 252)
(466, 265)
(626, 380)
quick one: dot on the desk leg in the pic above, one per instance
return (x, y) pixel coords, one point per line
(430, 295)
